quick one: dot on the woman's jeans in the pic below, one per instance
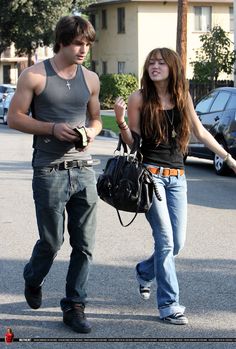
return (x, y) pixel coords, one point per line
(168, 220)
(55, 191)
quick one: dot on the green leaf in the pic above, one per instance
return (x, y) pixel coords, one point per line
(214, 56)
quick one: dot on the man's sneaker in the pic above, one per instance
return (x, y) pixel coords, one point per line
(33, 296)
(144, 292)
(76, 319)
(176, 319)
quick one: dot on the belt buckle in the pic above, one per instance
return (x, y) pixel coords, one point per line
(67, 164)
(89, 162)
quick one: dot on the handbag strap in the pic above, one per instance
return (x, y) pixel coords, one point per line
(121, 222)
(135, 148)
(158, 196)
(121, 143)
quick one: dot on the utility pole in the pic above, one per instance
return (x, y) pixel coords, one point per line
(181, 42)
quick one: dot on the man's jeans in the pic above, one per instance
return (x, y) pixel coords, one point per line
(54, 191)
(168, 221)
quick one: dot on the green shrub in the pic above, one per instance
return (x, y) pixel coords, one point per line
(115, 85)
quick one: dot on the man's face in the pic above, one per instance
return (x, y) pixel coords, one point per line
(76, 52)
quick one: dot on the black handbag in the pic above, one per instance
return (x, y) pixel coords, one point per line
(126, 184)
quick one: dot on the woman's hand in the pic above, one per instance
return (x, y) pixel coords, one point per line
(120, 109)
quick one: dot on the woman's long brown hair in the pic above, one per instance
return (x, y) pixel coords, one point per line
(153, 120)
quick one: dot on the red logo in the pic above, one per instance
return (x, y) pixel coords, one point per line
(9, 336)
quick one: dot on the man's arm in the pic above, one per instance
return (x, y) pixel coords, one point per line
(30, 81)
(94, 118)
(20, 104)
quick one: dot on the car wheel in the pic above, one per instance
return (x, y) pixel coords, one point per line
(220, 166)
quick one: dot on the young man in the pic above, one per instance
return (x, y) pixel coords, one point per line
(62, 95)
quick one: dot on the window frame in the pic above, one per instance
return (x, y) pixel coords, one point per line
(104, 19)
(121, 67)
(231, 19)
(121, 20)
(198, 18)
(93, 20)
(104, 67)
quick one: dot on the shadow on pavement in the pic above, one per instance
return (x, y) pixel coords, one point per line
(207, 288)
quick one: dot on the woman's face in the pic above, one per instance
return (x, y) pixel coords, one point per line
(158, 70)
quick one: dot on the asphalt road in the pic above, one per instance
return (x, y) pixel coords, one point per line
(206, 267)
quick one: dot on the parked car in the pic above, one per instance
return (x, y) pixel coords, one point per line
(5, 89)
(5, 106)
(1, 108)
(217, 112)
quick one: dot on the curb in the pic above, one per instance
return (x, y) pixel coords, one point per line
(108, 133)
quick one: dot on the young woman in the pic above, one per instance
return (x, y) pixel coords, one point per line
(162, 112)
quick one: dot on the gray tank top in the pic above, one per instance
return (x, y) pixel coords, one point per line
(58, 103)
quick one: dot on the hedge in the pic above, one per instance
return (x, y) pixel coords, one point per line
(115, 85)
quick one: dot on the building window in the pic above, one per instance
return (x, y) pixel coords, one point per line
(231, 19)
(104, 67)
(93, 66)
(202, 18)
(121, 20)
(121, 67)
(104, 19)
(93, 20)
(6, 74)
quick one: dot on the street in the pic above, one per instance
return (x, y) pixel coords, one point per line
(206, 267)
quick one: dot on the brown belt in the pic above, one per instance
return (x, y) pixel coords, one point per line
(166, 172)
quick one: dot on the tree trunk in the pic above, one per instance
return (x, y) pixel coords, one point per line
(181, 42)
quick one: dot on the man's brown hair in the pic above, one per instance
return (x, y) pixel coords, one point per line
(69, 27)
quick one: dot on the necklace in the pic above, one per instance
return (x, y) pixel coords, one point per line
(171, 120)
(67, 79)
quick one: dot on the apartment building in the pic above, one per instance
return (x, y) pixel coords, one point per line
(12, 65)
(128, 29)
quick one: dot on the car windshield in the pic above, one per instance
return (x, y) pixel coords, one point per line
(204, 105)
(220, 101)
(232, 102)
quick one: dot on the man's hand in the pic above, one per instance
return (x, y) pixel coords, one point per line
(64, 132)
(91, 134)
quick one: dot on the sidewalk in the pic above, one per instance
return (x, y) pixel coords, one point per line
(109, 112)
